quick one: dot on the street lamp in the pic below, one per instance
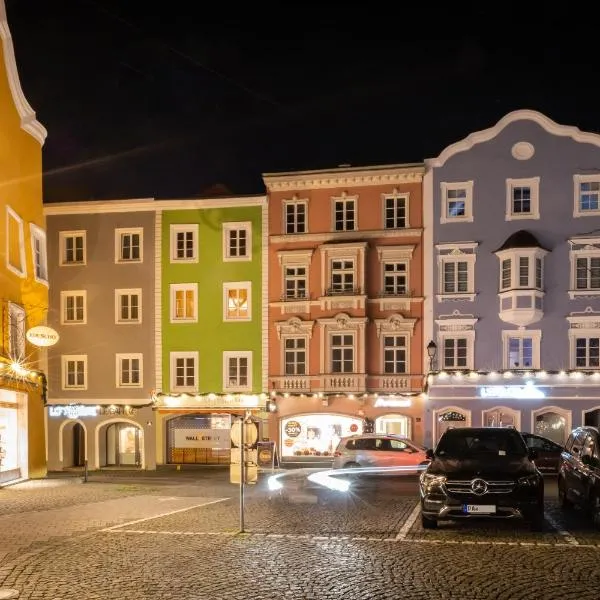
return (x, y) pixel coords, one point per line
(431, 352)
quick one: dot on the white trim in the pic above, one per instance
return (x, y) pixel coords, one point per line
(354, 251)
(396, 195)
(64, 294)
(428, 270)
(456, 328)
(62, 237)
(558, 410)
(294, 200)
(11, 214)
(536, 338)
(158, 302)
(591, 249)
(265, 295)
(176, 228)
(119, 232)
(18, 316)
(182, 287)
(65, 359)
(533, 183)
(342, 323)
(485, 135)
(38, 234)
(582, 326)
(26, 114)
(383, 331)
(445, 187)
(119, 292)
(236, 285)
(230, 226)
(119, 372)
(345, 198)
(577, 181)
(236, 354)
(345, 236)
(141, 436)
(456, 256)
(287, 330)
(173, 356)
(61, 442)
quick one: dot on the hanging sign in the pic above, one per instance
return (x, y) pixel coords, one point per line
(42, 336)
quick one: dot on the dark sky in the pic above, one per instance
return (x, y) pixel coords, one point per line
(156, 101)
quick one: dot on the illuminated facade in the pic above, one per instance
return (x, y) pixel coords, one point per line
(23, 275)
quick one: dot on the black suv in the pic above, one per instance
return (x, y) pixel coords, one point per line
(481, 472)
(579, 471)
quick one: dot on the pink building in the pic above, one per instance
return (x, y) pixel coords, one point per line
(345, 306)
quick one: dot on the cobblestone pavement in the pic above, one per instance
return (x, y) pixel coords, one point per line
(167, 537)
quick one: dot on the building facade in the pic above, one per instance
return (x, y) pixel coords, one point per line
(101, 373)
(513, 278)
(23, 276)
(210, 349)
(345, 306)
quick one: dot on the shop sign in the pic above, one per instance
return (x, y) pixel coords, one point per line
(392, 403)
(201, 438)
(293, 429)
(519, 392)
(74, 411)
(42, 336)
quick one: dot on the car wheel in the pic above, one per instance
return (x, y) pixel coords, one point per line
(428, 523)
(563, 501)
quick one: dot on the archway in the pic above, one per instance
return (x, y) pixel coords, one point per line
(553, 423)
(120, 443)
(72, 448)
(449, 417)
(396, 424)
(501, 416)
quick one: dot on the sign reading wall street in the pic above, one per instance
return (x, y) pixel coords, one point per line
(201, 438)
(521, 392)
(42, 336)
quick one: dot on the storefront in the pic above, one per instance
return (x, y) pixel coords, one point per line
(546, 403)
(13, 436)
(106, 436)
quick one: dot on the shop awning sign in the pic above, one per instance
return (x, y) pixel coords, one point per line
(42, 336)
(529, 391)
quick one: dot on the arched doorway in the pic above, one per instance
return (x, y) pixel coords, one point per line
(394, 423)
(501, 416)
(122, 445)
(447, 418)
(72, 450)
(553, 423)
(78, 445)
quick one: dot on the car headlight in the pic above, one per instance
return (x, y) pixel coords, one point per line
(529, 480)
(428, 480)
(274, 484)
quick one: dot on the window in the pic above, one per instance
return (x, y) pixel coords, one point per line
(39, 253)
(456, 342)
(395, 279)
(344, 272)
(585, 267)
(237, 371)
(184, 243)
(455, 353)
(342, 276)
(16, 331)
(521, 349)
(237, 301)
(128, 245)
(295, 216)
(237, 241)
(394, 354)
(456, 270)
(344, 213)
(73, 307)
(128, 306)
(72, 248)
(457, 202)
(184, 302)
(587, 352)
(584, 340)
(522, 199)
(129, 370)
(587, 195)
(15, 243)
(395, 210)
(295, 282)
(342, 353)
(74, 372)
(295, 355)
(506, 274)
(528, 268)
(184, 371)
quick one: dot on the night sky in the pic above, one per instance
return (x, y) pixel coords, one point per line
(156, 101)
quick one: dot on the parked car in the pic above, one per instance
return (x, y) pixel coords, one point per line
(579, 471)
(379, 450)
(481, 472)
(548, 451)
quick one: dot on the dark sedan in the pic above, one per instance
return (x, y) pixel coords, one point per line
(548, 452)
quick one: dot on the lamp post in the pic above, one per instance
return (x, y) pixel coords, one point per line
(431, 352)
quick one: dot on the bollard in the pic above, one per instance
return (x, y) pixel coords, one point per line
(85, 471)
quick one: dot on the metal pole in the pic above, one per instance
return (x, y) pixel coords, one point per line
(85, 471)
(242, 474)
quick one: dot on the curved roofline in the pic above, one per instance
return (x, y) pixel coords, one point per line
(28, 121)
(485, 135)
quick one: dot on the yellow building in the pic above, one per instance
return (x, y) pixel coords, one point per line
(23, 275)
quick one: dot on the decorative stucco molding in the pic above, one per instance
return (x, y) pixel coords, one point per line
(27, 115)
(518, 115)
(395, 323)
(294, 325)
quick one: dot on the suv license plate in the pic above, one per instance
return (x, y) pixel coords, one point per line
(483, 509)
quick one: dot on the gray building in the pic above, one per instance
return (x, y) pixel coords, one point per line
(101, 373)
(513, 278)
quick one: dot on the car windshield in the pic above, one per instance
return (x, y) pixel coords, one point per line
(498, 442)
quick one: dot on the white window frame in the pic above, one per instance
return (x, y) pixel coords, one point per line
(395, 254)
(536, 338)
(456, 328)
(577, 181)
(294, 336)
(172, 375)
(354, 251)
(294, 259)
(590, 248)
(119, 233)
(65, 359)
(226, 375)
(407, 334)
(62, 237)
(17, 318)
(236, 285)
(396, 195)
(40, 270)
(20, 270)
(582, 326)
(64, 294)
(515, 255)
(455, 252)
(176, 228)
(447, 186)
(119, 370)
(533, 183)
(182, 287)
(119, 293)
(346, 199)
(228, 228)
(355, 360)
(294, 201)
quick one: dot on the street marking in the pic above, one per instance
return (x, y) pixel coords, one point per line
(165, 514)
(409, 522)
(569, 538)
